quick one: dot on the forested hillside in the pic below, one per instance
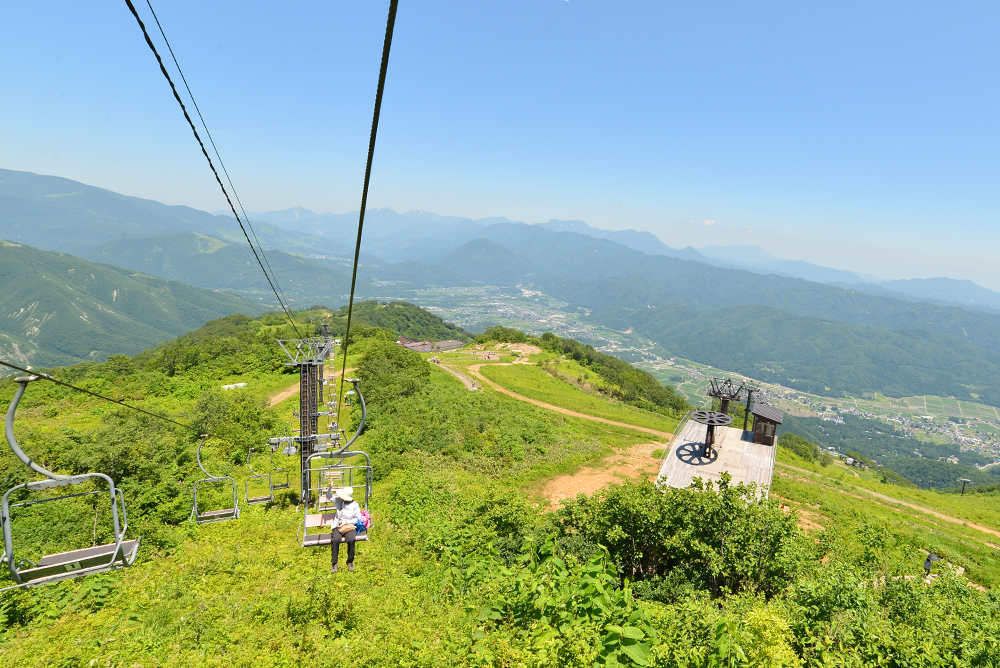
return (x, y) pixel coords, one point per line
(402, 318)
(209, 262)
(819, 356)
(60, 309)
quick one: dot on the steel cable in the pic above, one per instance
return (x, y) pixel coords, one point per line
(215, 148)
(204, 152)
(390, 24)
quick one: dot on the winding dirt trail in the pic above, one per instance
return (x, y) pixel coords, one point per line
(474, 370)
(469, 384)
(291, 391)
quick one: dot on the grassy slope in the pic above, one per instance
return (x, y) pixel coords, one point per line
(243, 593)
(836, 499)
(533, 382)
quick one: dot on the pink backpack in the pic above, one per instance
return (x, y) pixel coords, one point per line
(366, 518)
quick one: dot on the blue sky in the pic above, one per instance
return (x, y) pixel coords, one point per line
(851, 135)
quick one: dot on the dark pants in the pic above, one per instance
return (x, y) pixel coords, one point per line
(351, 536)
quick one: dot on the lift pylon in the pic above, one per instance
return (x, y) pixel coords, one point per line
(309, 355)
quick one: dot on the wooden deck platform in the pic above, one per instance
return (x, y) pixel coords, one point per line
(745, 460)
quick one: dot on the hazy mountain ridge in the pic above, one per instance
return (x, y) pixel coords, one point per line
(58, 214)
(596, 269)
(209, 262)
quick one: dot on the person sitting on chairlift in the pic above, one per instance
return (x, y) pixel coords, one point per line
(348, 515)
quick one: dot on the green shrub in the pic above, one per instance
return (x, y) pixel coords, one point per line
(802, 447)
(721, 540)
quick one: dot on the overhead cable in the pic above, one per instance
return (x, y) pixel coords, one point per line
(215, 148)
(99, 396)
(164, 418)
(390, 23)
(204, 152)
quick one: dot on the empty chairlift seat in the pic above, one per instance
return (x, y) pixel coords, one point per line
(285, 445)
(59, 566)
(256, 484)
(199, 514)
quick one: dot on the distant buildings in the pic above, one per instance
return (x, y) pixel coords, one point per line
(430, 346)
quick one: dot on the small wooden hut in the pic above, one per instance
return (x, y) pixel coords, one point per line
(765, 423)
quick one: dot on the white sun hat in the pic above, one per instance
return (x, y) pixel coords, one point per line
(346, 494)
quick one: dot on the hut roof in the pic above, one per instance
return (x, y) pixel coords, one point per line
(767, 412)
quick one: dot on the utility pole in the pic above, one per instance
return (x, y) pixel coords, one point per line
(964, 481)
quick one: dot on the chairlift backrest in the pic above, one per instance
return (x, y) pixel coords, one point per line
(202, 516)
(255, 478)
(74, 563)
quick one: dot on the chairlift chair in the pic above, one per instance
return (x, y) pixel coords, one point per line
(279, 472)
(287, 446)
(258, 499)
(63, 565)
(200, 516)
(322, 510)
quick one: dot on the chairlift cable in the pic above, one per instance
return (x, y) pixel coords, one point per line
(390, 23)
(46, 376)
(173, 88)
(215, 148)
(95, 394)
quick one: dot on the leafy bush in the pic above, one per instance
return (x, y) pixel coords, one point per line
(723, 540)
(389, 372)
(502, 334)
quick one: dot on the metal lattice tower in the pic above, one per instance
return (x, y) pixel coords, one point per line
(309, 355)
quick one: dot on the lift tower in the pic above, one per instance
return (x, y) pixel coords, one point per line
(309, 355)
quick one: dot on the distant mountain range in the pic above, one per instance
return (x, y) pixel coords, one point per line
(734, 307)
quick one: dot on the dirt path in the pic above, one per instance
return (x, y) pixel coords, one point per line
(291, 391)
(884, 497)
(636, 462)
(468, 382)
(474, 370)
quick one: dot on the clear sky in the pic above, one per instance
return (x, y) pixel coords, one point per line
(856, 135)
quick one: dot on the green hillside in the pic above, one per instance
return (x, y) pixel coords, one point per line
(487, 262)
(820, 356)
(599, 274)
(403, 318)
(60, 309)
(462, 569)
